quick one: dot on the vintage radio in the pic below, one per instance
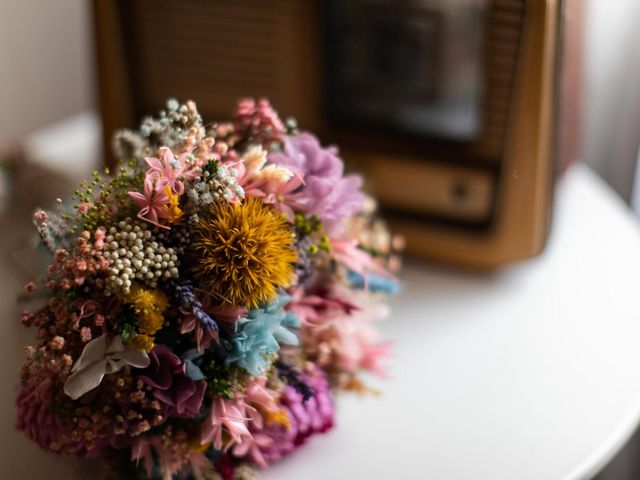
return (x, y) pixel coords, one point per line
(447, 105)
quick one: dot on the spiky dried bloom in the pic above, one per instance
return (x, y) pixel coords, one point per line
(244, 253)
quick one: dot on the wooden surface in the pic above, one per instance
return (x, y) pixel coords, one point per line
(524, 192)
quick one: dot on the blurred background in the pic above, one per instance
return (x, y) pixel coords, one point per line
(458, 122)
(479, 105)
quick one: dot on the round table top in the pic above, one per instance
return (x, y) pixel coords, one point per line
(529, 373)
(532, 372)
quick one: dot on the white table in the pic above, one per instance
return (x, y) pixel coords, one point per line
(530, 373)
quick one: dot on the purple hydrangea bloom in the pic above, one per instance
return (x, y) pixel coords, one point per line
(327, 192)
(166, 374)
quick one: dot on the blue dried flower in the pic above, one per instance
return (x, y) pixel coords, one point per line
(373, 282)
(260, 335)
(191, 359)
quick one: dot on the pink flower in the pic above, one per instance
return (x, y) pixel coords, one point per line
(204, 337)
(170, 461)
(84, 207)
(313, 309)
(228, 416)
(276, 185)
(226, 317)
(258, 121)
(85, 334)
(40, 216)
(153, 203)
(347, 253)
(99, 238)
(57, 343)
(168, 171)
(304, 418)
(254, 447)
(258, 396)
(260, 400)
(283, 196)
(338, 330)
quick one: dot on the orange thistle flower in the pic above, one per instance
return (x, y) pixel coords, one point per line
(244, 253)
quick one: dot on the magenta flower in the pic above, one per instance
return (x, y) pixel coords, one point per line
(316, 415)
(153, 203)
(166, 375)
(37, 420)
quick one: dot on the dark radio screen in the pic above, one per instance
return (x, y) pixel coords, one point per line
(411, 66)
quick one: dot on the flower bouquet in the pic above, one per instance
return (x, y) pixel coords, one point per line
(205, 300)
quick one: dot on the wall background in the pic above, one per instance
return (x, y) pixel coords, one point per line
(46, 69)
(46, 73)
(611, 95)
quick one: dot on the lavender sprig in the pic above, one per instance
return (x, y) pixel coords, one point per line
(188, 301)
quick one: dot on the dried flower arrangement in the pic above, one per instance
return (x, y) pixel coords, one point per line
(206, 300)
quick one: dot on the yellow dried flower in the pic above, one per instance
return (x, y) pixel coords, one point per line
(142, 342)
(196, 446)
(144, 300)
(278, 418)
(174, 212)
(150, 323)
(243, 253)
(149, 305)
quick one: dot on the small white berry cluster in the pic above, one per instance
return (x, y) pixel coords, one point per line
(133, 254)
(221, 184)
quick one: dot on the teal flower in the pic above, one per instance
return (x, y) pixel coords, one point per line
(260, 334)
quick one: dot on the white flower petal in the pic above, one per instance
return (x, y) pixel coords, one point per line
(94, 351)
(97, 360)
(135, 358)
(116, 345)
(85, 380)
